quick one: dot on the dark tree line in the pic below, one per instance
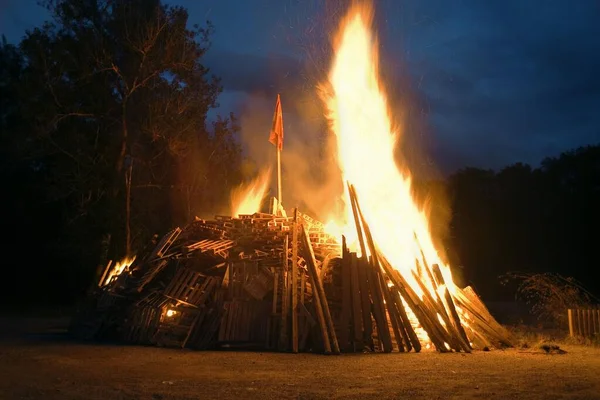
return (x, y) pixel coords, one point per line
(528, 220)
(104, 138)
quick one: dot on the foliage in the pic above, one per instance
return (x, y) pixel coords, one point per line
(528, 219)
(549, 295)
(104, 132)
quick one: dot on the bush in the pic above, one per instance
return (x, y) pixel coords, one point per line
(549, 295)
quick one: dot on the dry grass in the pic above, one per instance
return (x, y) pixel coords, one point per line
(50, 367)
(549, 340)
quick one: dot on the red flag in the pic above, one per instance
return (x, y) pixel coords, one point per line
(276, 135)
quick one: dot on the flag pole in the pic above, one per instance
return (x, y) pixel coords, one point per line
(279, 175)
(276, 138)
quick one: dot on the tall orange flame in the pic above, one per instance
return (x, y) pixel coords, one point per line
(358, 112)
(247, 199)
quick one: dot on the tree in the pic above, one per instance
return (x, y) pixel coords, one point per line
(114, 98)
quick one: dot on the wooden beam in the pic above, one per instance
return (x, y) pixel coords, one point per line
(295, 282)
(357, 315)
(311, 262)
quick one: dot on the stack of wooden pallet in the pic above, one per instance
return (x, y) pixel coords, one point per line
(281, 283)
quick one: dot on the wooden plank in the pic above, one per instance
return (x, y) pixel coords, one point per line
(410, 336)
(392, 312)
(345, 343)
(106, 269)
(321, 306)
(357, 315)
(283, 338)
(295, 282)
(437, 272)
(363, 281)
(383, 330)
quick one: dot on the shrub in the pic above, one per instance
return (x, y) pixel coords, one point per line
(550, 295)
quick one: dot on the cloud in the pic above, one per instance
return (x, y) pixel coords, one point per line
(517, 82)
(474, 83)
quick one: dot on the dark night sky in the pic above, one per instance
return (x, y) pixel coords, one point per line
(495, 82)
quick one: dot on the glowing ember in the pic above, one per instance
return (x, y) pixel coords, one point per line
(358, 112)
(117, 269)
(170, 313)
(247, 199)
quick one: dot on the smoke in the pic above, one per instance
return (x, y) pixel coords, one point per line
(310, 177)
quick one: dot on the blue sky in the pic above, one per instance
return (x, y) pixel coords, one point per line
(478, 83)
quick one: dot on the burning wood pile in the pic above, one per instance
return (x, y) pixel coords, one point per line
(281, 283)
(368, 280)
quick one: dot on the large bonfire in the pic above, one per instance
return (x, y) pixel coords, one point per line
(366, 141)
(369, 278)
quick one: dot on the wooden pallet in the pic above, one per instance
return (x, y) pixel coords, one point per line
(165, 243)
(190, 287)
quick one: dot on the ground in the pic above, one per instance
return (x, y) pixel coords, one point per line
(37, 361)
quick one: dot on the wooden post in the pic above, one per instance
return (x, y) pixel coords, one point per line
(311, 262)
(357, 317)
(295, 282)
(283, 339)
(392, 311)
(409, 334)
(279, 199)
(363, 281)
(383, 329)
(571, 328)
(346, 314)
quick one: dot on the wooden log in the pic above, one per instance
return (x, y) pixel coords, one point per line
(295, 282)
(311, 263)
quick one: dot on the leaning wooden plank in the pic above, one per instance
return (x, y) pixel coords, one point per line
(357, 316)
(408, 333)
(312, 262)
(346, 315)
(321, 305)
(365, 302)
(106, 269)
(450, 304)
(285, 290)
(383, 330)
(295, 282)
(392, 312)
